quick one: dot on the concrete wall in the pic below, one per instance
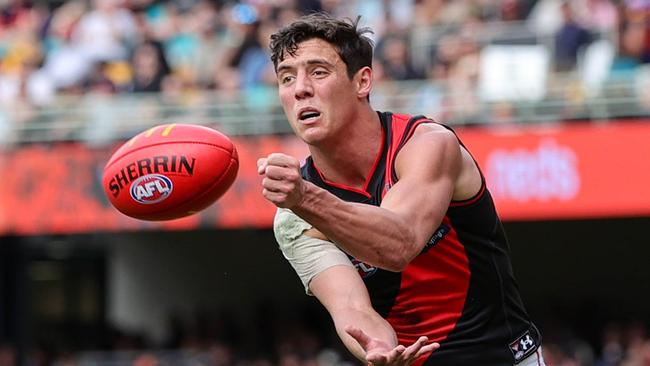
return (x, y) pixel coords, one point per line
(152, 275)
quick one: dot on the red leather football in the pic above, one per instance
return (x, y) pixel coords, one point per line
(170, 171)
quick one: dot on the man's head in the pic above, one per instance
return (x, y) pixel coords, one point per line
(324, 76)
(349, 41)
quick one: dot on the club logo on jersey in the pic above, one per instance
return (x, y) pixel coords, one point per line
(523, 346)
(151, 188)
(365, 270)
(443, 230)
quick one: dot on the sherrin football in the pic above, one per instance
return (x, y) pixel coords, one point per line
(170, 171)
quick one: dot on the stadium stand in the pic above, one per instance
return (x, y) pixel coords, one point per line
(99, 71)
(466, 62)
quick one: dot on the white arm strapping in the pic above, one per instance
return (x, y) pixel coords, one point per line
(308, 256)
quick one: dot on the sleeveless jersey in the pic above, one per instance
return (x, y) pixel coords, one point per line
(460, 290)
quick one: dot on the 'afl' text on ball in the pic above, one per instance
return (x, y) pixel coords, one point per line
(181, 165)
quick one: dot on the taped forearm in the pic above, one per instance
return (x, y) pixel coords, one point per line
(307, 255)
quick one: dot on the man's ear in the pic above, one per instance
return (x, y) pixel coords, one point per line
(363, 81)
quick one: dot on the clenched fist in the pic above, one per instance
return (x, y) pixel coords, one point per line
(282, 183)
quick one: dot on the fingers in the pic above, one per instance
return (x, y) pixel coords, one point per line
(280, 159)
(261, 165)
(413, 349)
(277, 179)
(279, 167)
(381, 358)
(283, 160)
(278, 173)
(401, 355)
(276, 159)
(380, 355)
(427, 349)
(419, 349)
(273, 196)
(282, 184)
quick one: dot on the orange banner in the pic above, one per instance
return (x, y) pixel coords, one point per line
(534, 172)
(57, 189)
(566, 171)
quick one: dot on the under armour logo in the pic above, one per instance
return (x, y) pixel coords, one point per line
(523, 346)
(526, 342)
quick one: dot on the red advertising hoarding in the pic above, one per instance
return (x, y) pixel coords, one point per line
(57, 189)
(566, 171)
(534, 173)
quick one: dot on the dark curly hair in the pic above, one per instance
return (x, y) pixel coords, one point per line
(350, 42)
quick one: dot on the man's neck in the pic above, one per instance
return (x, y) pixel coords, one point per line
(350, 157)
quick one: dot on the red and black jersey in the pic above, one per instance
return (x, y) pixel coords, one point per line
(460, 290)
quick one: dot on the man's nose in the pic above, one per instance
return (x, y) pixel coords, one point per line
(304, 87)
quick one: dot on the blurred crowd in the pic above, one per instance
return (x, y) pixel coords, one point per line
(619, 344)
(80, 47)
(52, 48)
(300, 344)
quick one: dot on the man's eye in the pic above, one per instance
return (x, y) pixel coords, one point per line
(286, 79)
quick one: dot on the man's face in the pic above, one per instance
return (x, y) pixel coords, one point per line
(316, 93)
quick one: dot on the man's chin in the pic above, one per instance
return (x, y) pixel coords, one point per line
(312, 136)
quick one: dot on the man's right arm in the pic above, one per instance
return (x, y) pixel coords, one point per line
(362, 330)
(327, 273)
(344, 295)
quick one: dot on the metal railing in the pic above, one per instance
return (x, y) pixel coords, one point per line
(103, 118)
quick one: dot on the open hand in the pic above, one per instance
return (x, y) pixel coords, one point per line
(379, 353)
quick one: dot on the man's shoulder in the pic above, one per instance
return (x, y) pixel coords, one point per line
(438, 130)
(407, 121)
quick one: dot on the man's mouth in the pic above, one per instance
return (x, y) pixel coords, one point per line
(308, 115)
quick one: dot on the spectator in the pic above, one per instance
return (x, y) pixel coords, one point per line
(214, 43)
(393, 53)
(569, 40)
(150, 67)
(106, 32)
(633, 49)
(250, 57)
